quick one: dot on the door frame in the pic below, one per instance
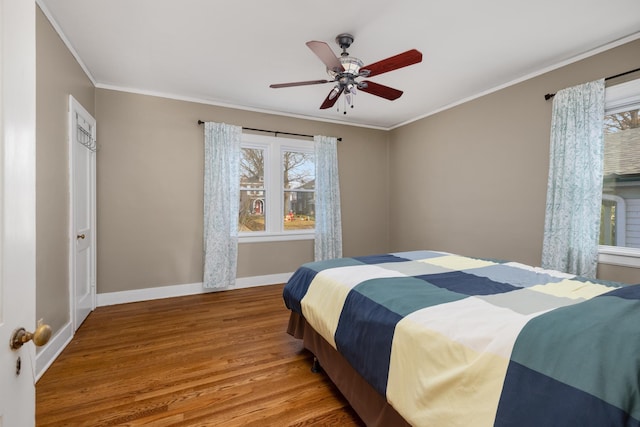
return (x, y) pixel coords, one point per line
(76, 107)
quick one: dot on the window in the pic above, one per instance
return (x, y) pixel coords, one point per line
(620, 218)
(277, 189)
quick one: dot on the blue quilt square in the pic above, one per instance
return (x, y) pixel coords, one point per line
(364, 324)
(420, 254)
(626, 292)
(379, 259)
(297, 287)
(531, 399)
(467, 284)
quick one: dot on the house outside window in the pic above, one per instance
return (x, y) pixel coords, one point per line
(620, 213)
(277, 189)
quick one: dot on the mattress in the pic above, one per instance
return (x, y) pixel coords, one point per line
(451, 340)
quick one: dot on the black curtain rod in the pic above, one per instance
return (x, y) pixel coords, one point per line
(276, 132)
(551, 95)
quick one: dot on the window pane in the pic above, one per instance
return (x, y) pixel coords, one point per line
(252, 193)
(608, 223)
(620, 222)
(299, 171)
(251, 167)
(300, 208)
(299, 179)
(252, 209)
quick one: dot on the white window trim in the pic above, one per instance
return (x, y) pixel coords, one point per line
(274, 146)
(620, 98)
(618, 255)
(257, 237)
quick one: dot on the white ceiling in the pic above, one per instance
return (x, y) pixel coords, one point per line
(228, 52)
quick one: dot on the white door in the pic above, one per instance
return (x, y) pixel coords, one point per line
(82, 135)
(17, 208)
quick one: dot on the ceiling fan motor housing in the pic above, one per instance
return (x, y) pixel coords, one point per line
(351, 67)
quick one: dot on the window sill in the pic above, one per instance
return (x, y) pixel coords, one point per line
(274, 237)
(618, 255)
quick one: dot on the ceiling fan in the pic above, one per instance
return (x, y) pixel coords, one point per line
(345, 70)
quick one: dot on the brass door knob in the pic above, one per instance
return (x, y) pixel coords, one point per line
(40, 337)
(80, 236)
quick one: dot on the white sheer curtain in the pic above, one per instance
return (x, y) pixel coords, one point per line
(328, 235)
(574, 189)
(221, 203)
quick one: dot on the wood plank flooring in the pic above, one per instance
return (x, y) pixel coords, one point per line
(216, 359)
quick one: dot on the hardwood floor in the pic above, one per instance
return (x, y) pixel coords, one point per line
(217, 359)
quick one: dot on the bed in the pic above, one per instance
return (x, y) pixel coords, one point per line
(429, 338)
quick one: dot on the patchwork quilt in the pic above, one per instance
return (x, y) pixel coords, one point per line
(458, 341)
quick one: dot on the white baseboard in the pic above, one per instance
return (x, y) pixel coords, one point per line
(146, 294)
(48, 354)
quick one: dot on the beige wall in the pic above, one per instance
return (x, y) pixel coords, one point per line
(150, 190)
(57, 75)
(472, 179)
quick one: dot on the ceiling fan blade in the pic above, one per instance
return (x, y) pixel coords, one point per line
(382, 91)
(331, 99)
(400, 60)
(309, 82)
(326, 55)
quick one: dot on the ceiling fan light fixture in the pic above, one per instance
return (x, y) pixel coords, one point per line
(334, 92)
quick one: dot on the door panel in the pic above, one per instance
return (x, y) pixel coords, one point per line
(17, 209)
(82, 145)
